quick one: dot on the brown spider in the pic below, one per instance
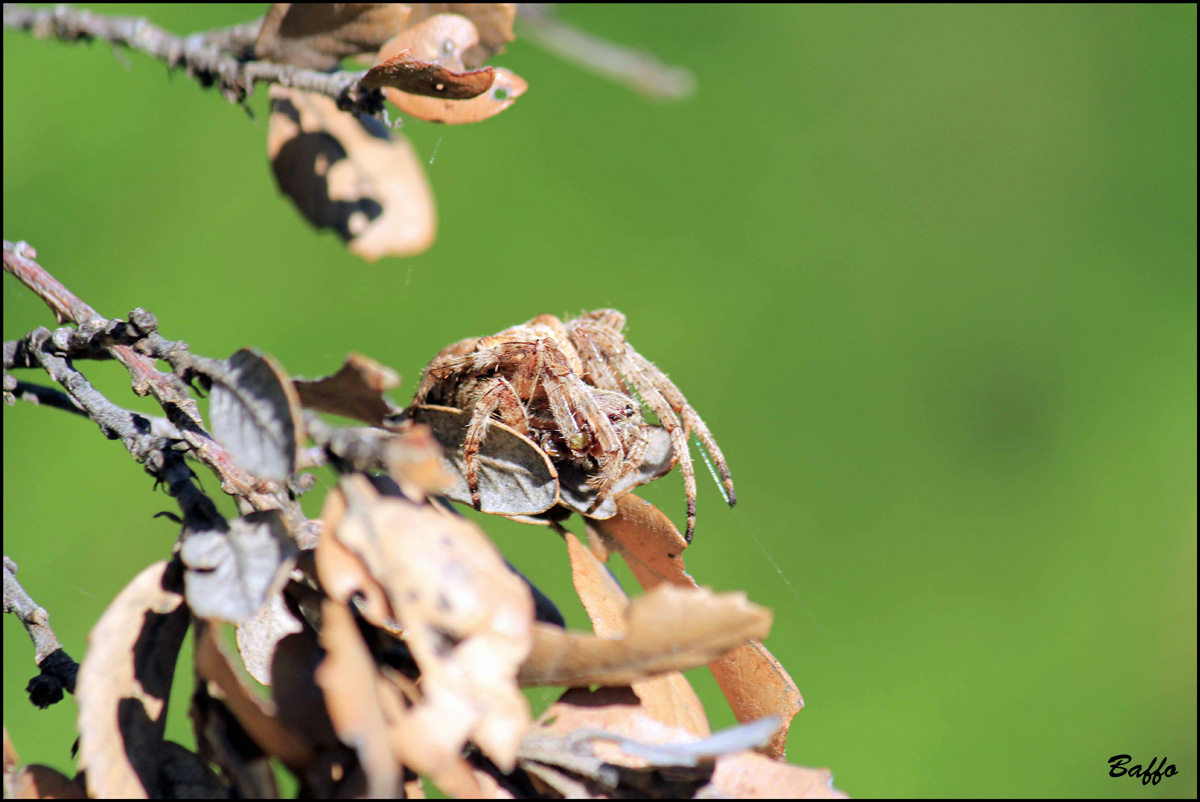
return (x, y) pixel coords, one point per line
(572, 387)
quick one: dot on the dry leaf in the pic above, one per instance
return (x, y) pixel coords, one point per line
(753, 681)
(230, 574)
(578, 496)
(588, 733)
(493, 21)
(348, 677)
(347, 173)
(185, 775)
(254, 412)
(668, 629)
(515, 476)
(42, 782)
(36, 781)
(345, 578)
(751, 776)
(427, 78)
(609, 747)
(414, 460)
(300, 707)
(319, 35)
(668, 698)
(11, 760)
(256, 717)
(226, 744)
(355, 391)
(467, 621)
(506, 88)
(444, 38)
(648, 542)
(125, 682)
(438, 39)
(258, 637)
(415, 789)
(757, 685)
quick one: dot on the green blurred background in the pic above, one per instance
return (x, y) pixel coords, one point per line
(927, 272)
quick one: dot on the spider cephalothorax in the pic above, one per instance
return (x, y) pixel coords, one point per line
(575, 388)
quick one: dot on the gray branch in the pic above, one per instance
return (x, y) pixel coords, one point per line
(162, 457)
(637, 69)
(57, 670)
(219, 57)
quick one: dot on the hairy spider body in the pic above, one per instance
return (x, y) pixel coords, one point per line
(577, 389)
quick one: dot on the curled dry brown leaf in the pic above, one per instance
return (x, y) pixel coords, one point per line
(356, 391)
(467, 620)
(319, 35)
(444, 38)
(345, 578)
(125, 682)
(347, 173)
(492, 21)
(257, 718)
(223, 742)
(668, 629)
(428, 78)
(414, 460)
(350, 681)
(668, 698)
(754, 682)
(748, 775)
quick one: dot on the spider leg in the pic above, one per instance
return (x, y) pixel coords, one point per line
(612, 468)
(583, 426)
(499, 396)
(604, 351)
(679, 441)
(643, 374)
(567, 395)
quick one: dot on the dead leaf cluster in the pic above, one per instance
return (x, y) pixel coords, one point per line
(351, 173)
(391, 642)
(330, 140)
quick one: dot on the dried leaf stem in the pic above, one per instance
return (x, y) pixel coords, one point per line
(215, 57)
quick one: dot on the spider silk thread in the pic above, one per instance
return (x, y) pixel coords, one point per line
(843, 658)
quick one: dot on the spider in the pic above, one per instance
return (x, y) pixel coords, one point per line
(577, 389)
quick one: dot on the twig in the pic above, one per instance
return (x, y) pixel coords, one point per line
(40, 396)
(639, 70)
(216, 57)
(168, 389)
(57, 669)
(360, 449)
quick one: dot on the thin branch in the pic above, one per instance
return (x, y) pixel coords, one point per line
(133, 429)
(168, 389)
(216, 57)
(57, 669)
(41, 396)
(360, 449)
(637, 69)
